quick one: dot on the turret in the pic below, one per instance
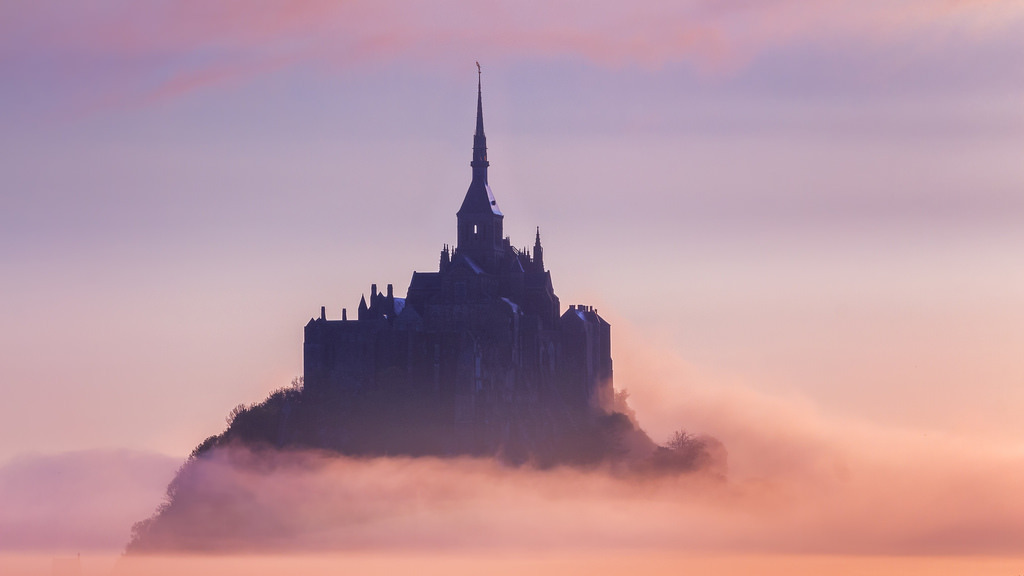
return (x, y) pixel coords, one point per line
(445, 259)
(363, 308)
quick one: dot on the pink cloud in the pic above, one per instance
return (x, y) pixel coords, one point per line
(932, 501)
(192, 39)
(78, 501)
(800, 482)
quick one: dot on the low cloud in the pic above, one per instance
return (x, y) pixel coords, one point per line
(799, 482)
(832, 483)
(802, 485)
(78, 501)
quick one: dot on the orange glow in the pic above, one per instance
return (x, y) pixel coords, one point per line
(596, 563)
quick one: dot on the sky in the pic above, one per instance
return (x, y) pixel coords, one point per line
(803, 219)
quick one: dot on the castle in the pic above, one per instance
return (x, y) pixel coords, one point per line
(482, 338)
(476, 361)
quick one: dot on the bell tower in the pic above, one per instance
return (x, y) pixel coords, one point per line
(480, 220)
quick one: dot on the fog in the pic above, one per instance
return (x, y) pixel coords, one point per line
(803, 491)
(802, 494)
(937, 501)
(798, 483)
(78, 501)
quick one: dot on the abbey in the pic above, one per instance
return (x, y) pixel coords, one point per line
(483, 339)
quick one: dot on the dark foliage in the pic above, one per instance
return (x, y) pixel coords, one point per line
(686, 452)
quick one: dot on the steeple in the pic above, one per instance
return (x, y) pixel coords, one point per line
(480, 220)
(538, 252)
(479, 198)
(479, 139)
(363, 308)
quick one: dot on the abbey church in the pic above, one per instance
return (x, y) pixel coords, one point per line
(478, 360)
(483, 340)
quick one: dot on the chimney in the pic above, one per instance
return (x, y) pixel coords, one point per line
(344, 314)
(323, 312)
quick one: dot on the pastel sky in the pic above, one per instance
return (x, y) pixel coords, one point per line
(803, 219)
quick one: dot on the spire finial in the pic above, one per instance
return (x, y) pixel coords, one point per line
(479, 140)
(479, 102)
(538, 252)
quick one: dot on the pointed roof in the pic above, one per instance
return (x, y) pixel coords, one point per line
(463, 262)
(479, 114)
(479, 199)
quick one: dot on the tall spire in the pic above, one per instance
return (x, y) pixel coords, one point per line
(479, 198)
(538, 252)
(480, 221)
(479, 162)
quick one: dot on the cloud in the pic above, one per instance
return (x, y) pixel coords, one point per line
(800, 481)
(933, 501)
(78, 500)
(134, 50)
(830, 483)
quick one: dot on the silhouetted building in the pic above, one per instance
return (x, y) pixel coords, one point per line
(483, 337)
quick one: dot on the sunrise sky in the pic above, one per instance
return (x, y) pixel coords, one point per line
(803, 219)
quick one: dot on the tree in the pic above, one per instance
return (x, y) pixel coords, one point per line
(235, 412)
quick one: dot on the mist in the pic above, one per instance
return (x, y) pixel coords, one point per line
(81, 501)
(796, 480)
(804, 491)
(935, 501)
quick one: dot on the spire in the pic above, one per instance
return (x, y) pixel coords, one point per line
(479, 199)
(480, 113)
(363, 309)
(538, 252)
(445, 259)
(479, 162)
